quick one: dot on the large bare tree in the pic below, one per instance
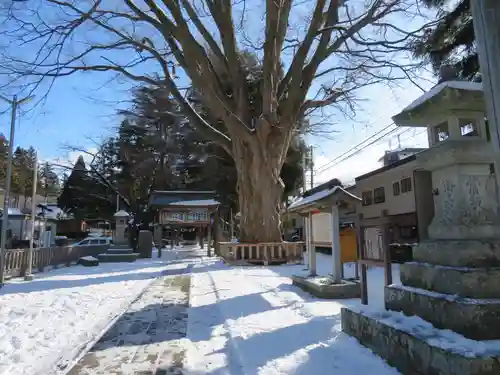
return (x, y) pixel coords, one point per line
(313, 54)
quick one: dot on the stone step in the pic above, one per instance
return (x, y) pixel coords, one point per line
(463, 253)
(119, 246)
(413, 346)
(88, 261)
(119, 251)
(478, 319)
(110, 258)
(462, 281)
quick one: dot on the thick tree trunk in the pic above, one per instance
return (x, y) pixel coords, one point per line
(259, 192)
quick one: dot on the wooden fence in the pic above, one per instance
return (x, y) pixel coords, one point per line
(16, 260)
(263, 253)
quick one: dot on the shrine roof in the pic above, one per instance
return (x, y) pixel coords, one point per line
(184, 198)
(322, 199)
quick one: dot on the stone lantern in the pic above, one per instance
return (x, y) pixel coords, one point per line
(121, 225)
(452, 282)
(460, 158)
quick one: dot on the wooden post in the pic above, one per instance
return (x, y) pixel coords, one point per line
(336, 257)
(360, 239)
(216, 232)
(201, 234)
(305, 236)
(312, 249)
(209, 239)
(386, 233)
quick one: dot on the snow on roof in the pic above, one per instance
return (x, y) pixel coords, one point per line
(458, 85)
(121, 213)
(203, 202)
(318, 196)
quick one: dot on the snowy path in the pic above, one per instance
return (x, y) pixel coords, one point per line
(45, 323)
(253, 321)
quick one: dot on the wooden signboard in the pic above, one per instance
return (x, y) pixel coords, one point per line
(185, 217)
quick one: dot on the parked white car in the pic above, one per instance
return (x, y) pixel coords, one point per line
(89, 241)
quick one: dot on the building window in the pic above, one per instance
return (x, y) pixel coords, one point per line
(468, 127)
(367, 198)
(396, 189)
(441, 132)
(406, 185)
(379, 195)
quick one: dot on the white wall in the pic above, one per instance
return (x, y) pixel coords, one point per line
(395, 205)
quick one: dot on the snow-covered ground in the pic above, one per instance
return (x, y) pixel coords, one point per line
(48, 321)
(242, 320)
(252, 320)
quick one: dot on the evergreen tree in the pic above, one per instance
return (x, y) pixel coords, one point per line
(450, 43)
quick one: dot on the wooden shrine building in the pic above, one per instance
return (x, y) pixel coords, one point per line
(181, 210)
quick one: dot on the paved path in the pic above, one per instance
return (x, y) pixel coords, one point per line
(147, 339)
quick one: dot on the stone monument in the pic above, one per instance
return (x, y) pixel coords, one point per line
(145, 243)
(121, 224)
(452, 283)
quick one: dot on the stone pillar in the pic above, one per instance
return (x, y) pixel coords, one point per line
(486, 14)
(336, 255)
(121, 224)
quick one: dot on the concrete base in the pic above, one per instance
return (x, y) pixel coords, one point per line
(347, 289)
(463, 253)
(28, 277)
(464, 282)
(419, 349)
(110, 258)
(474, 318)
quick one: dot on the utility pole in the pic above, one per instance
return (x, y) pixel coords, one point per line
(311, 166)
(5, 218)
(304, 172)
(29, 275)
(486, 16)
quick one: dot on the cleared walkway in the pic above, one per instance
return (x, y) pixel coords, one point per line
(147, 338)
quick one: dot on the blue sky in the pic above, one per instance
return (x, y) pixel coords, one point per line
(78, 111)
(81, 110)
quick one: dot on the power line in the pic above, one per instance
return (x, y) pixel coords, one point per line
(371, 143)
(327, 166)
